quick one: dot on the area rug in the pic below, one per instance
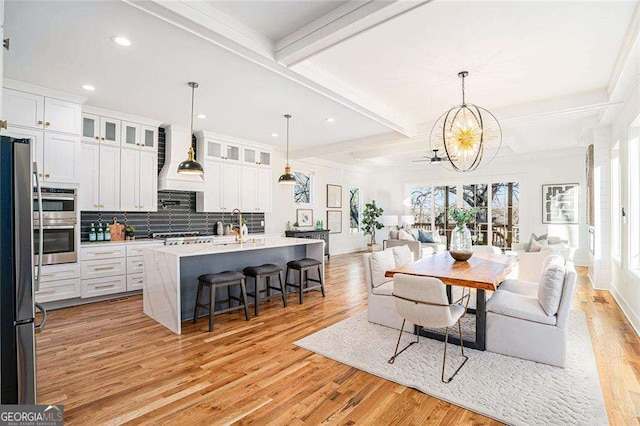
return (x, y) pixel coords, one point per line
(507, 389)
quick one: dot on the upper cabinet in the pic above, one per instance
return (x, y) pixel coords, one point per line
(100, 129)
(23, 109)
(62, 116)
(237, 174)
(139, 136)
(34, 111)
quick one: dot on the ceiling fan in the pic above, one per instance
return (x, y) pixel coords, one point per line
(433, 160)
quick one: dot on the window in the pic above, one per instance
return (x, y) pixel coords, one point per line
(616, 207)
(355, 209)
(303, 189)
(634, 204)
(497, 201)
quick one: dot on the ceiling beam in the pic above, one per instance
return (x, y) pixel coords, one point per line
(208, 23)
(339, 25)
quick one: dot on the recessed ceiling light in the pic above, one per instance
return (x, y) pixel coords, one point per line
(201, 116)
(88, 87)
(122, 41)
(329, 120)
(275, 135)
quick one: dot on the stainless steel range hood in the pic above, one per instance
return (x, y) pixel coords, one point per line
(178, 142)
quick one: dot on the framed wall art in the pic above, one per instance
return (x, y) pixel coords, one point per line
(560, 203)
(334, 196)
(334, 221)
(304, 217)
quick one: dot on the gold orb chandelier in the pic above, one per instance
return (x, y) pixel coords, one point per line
(464, 133)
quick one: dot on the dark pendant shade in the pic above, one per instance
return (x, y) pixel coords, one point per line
(190, 166)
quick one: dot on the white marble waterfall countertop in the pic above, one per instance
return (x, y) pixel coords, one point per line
(250, 243)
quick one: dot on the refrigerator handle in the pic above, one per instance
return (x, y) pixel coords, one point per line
(40, 228)
(44, 317)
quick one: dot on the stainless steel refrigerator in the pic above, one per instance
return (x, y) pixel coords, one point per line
(18, 187)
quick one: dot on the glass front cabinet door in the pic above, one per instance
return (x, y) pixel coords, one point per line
(130, 137)
(90, 128)
(109, 131)
(149, 138)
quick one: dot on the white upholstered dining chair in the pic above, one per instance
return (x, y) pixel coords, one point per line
(423, 301)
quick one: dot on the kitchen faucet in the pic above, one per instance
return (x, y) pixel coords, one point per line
(239, 237)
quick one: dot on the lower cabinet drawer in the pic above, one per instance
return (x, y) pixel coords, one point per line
(102, 286)
(135, 265)
(65, 271)
(58, 290)
(103, 268)
(135, 282)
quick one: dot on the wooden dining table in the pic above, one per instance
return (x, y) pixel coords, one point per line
(482, 272)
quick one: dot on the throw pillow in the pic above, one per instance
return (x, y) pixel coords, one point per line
(405, 236)
(534, 246)
(381, 262)
(556, 240)
(393, 234)
(552, 259)
(425, 236)
(532, 238)
(402, 255)
(550, 288)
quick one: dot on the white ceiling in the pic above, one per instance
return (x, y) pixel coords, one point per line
(63, 45)
(542, 67)
(276, 19)
(516, 52)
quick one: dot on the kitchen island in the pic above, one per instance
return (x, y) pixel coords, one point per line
(171, 272)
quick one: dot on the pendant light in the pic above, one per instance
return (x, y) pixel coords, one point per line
(465, 132)
(287, 178)
(191, 166)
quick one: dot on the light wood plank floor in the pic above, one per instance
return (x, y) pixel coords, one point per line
(109, 363)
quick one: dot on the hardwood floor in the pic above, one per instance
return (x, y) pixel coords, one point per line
(109, 363)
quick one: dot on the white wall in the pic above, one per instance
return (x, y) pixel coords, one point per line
(531, 170)
(625, 286)
(326, 173)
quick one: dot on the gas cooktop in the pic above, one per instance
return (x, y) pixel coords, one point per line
(177, 238)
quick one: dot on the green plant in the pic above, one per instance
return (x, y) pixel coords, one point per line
(129, 230)
(462, 215)
(370, 221)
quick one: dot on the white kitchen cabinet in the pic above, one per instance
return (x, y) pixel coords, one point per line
(130, 137)
(230, 187)
(139, 180)
(90, 177)
(62, 116)
(105, 251)
(90, 128)
(149, 138)
(59, 290)
(109, 178)
(62, 271)
(219, 150)
(61, 158)
(135, 265)
(264, 158)
(37, 142)
(148, 192)
(103, 286)
(264, 185)
(135, 282)
(248, 199)
(109, 131)
(102, 268)
(23, 109)
(211, 199)
(129, 179)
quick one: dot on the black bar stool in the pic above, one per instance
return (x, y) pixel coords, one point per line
(304, 266)
(265, 271)
(222, 279)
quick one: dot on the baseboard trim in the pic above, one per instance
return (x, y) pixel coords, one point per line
(626, 310)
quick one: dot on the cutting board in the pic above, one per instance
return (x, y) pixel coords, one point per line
(117, 231)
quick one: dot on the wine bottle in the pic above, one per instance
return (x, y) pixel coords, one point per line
(100, 235)
(92, 233)
(107, 233)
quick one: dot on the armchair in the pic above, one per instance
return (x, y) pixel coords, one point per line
(519, 326)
